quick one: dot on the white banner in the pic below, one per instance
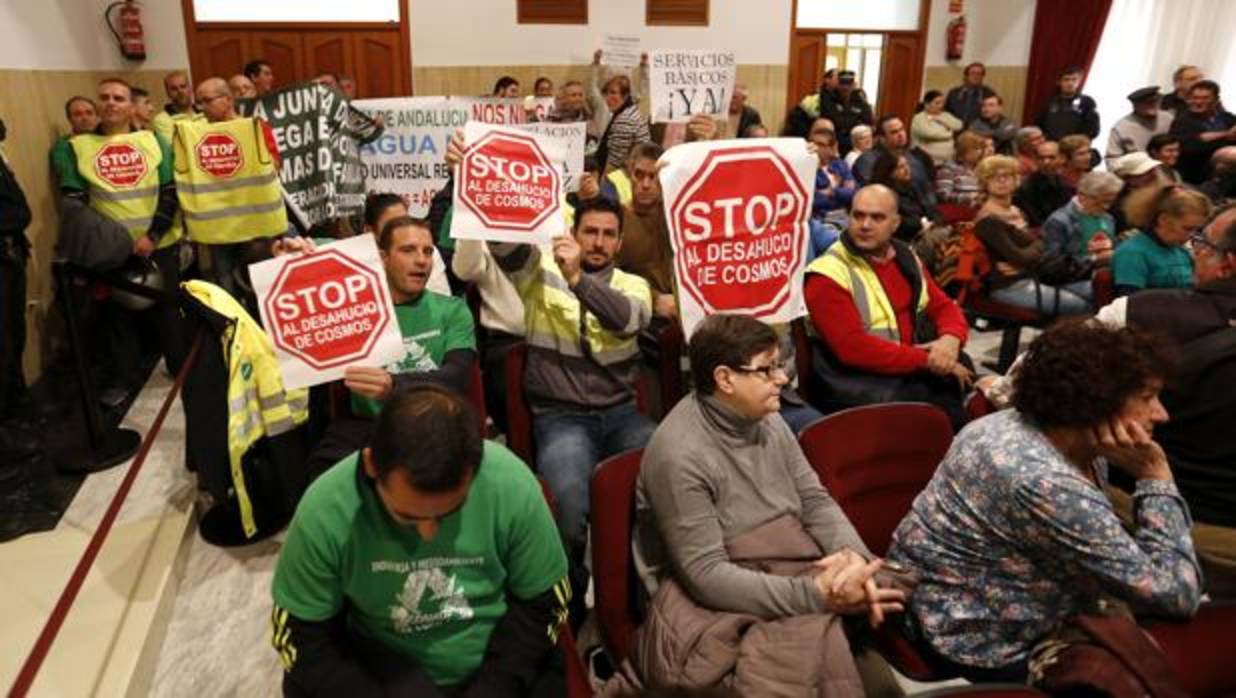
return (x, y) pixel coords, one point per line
(509, 186)
(738, 213)
(327, 311)
(573, 136)
(620, 52)
(685, 83)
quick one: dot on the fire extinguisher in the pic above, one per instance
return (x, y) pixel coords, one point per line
(956, 34)
(129, 32)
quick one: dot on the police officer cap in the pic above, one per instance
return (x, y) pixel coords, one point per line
(1145, 94)
(845, 76)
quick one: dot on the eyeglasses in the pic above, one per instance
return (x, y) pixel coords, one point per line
(766, 371)
(1199, 239)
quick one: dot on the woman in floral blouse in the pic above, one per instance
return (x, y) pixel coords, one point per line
(1014, 533)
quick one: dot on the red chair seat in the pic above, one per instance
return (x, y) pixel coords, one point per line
(613, 566)
(982, 305)
(1201, 650)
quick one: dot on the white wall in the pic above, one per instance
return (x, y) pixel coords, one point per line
(998, 32)
(71, 35)
(484, 32)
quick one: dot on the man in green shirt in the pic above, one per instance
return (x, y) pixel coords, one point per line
(438, 339)
(428, 564)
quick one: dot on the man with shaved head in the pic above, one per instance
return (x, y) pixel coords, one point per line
(215, 99)
(241, 87)
(179, 104)
(884, 331)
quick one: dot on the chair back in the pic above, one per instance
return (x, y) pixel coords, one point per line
(613, 566)
(875, 459)
(518, 415)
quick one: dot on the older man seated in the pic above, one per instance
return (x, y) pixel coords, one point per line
(736, 541)
(885, 331)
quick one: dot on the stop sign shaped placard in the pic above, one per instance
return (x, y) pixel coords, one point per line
(219, 154)
(507, 181)
(121, 164)
(327, 309)
(739, 228)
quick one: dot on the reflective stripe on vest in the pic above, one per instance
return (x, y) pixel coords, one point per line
(131, 204)
(231, 204)
(855, 275)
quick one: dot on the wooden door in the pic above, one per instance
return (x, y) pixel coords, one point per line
(220, 53)
(329, 52)
(380, 66)
(806, 66)
(901, 76)
(284, 51)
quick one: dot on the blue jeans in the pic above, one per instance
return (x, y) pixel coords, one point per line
(799, 417)
(1074, 298)
(569, 445)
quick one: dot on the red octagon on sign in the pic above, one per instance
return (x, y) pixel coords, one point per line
(121, 164)
(219, 154)
(508, 182)
(739, 226)
(327, 309)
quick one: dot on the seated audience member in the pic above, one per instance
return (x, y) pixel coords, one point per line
(932, 129)
(916, 213)
(506, 86)
(1202, 130)
(1016, 516)
(1165, 148)
(383, 207)
(742, 116)
(1132, 133)
(995, 125)
(570, 104)
(955, 181)
(1155, 257)
(1083, 228)
(891, 137)
(241, 87)
(1029, 138)
(543, 87)
(731, 519)
(1183, 79)
(846, 106)
(1044, 190)
(1068, 111)
(582, 320)
(645, 249)
(1075, 153)
(755, 131)
(886, 332)
(618, 123)
(861, 140)
(592, 184)
(834, 189)
(1138, 170)
(1221, 187)
(965, 100)
(426, 564)
(438, 339)
(1022, 274)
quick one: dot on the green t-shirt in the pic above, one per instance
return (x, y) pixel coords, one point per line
(435, 601)
(1092, 225)
(431, 325)
(1142, 262)
(64, 164)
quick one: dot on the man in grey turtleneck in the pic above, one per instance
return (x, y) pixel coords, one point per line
(722, 464)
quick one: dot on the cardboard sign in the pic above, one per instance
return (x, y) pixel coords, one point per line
(738, 221)
(327, 311)
(686, 83)
(620, 52)
(508, 188)
(573, 136)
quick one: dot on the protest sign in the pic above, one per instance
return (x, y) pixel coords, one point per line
(573, 136)
(686, 83)
(321, 168)
(327, 311)
(738, 222)
(508, 188)
(409, 157)
(620, 52)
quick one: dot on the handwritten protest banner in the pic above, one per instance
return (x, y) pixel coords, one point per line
(620, 51)
(686, 83)
(573, 136)
(508, 188)
(738, 221)
(327, 311)
(318, 145)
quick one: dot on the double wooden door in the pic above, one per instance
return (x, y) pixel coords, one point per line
(901, 69)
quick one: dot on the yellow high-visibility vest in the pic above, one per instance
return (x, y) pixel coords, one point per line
(122, 172)
(622, 184)
(164, 124)
(855, 275)
(227, 182)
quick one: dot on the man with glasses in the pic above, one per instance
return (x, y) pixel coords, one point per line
(427, 564)
(884, 331)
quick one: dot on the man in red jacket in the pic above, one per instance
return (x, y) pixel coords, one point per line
(884, 331)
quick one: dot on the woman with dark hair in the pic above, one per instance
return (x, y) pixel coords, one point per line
(1014, 534)
(934, 129)
(917, 213)
(506, 86)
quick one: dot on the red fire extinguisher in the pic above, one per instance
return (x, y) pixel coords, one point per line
(129, 32)
(956, 34)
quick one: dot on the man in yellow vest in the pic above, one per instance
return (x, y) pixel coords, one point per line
(126, 176)
(583, 317)
(227, 178)
(885, 331)
(179, 106)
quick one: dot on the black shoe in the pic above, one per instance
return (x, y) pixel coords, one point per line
(114, 397)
